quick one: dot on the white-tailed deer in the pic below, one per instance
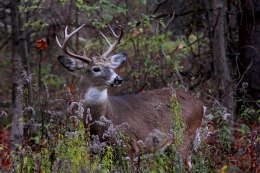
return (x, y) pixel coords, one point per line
(144, 113)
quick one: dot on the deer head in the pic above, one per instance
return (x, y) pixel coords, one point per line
(98, 70)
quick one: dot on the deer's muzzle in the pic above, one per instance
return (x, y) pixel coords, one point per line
(117, 81)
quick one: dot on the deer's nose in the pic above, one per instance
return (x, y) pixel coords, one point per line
(118, 80)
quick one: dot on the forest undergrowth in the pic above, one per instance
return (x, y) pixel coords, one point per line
(60, 143)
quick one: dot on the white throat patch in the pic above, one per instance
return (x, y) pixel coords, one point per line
(96, 95)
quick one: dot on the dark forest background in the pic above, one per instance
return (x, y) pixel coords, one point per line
(208, 47)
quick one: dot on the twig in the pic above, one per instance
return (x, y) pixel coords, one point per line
(4, 5)
(248, 67)
(158, 5)
(170, 21)
(5, 42)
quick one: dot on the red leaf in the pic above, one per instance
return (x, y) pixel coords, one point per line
(6, 163)
(71, 88)
(41, 44)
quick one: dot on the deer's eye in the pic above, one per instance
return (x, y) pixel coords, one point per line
(96, 69)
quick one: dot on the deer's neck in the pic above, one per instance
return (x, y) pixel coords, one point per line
(96, 99)
(95, 95)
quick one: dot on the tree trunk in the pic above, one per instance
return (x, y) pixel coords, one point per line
(249, 44)
(17, 88)
(221, 69)
(17, 102)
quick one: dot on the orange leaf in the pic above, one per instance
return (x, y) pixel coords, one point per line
(180, 46)
(136, 33)
(41, 44)
(71, 88)
(6, 163)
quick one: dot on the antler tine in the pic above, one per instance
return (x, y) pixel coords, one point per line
(113, 30)
(105, 38)
(112, 46)
(58, 42)
(65, 44)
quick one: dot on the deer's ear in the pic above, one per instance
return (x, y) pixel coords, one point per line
(117, 59)
(70, 63)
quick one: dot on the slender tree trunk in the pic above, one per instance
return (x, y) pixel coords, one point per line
(17, 102)
(249, 43)
(221, 68)
(26, 65)
(17, 88)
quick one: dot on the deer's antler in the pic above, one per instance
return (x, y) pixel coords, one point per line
(65, 44)
(112, 46)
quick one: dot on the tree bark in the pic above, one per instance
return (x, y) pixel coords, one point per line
(221, 68)
(249, 45)
(17, 80)
(17, 102)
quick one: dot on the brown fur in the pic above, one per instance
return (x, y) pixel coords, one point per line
(148, 111)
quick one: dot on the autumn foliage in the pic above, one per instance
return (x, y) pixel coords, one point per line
(5, 150)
